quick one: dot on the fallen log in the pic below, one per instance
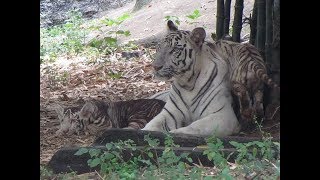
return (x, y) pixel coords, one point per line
(64, 160)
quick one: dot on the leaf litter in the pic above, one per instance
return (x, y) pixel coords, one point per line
(69, 82)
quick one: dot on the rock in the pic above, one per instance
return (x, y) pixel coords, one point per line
(54, 12)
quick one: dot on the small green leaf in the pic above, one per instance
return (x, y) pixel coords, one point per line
(189, 159)
(236, 144)
(94, 152)
(122, 18)
(127, 33)
(254, 152)
(208, 178)
(94, 162)
(120, 32)
(260, 144)
(81, 151)
(109, 146)
(150, 154)
(108, 156)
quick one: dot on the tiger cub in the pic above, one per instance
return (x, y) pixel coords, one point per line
(68, 118)
(248, 73)
(97, 115)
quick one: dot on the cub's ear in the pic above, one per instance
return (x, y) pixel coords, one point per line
(60, 111)
(68, 113)
(88, 108)
(198, 35)
(172, 26)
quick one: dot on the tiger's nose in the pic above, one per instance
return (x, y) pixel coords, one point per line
(157, 68)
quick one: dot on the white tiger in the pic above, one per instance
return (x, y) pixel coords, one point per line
(199, 101)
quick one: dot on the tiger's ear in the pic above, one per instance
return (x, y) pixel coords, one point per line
(198, 35)
(68, 113)
(60, 111)
(172, 26)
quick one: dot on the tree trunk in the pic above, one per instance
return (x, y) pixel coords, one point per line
(253, 24)
(274, 95)
(237, 23)
(268, 45)
(139, 4)
(261, 27)
(220, 18)
(227, 6)
(276, 24)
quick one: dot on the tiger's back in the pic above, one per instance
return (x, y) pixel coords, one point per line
(98, 115)
(248, 74)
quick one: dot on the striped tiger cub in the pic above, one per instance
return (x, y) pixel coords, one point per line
(97, 115)
(248, 73)
(199, 101)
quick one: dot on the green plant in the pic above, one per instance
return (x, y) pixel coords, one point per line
(148, 163)
(259, 156)
(65, 39)
(214, 152)
(195, 14)
(111, 162)
(117, 21)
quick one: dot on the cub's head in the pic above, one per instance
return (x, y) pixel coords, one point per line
(95, 113)
(69, 120)
(176, 52)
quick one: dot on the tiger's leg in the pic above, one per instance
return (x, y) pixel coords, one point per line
(258, 104)
(244, 101)
(221, 124)
(158, 123)
(136, 122)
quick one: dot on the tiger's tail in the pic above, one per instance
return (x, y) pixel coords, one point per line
(262, 74)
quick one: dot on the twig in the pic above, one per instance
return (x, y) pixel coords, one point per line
(275, 112)
(98, 174)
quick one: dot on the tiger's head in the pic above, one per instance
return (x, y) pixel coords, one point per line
(69, 121)
(94, 115)
(176, 52)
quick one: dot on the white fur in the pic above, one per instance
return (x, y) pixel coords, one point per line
(220, 124)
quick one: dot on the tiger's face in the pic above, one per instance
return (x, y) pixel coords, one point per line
(69, 123)
(91, 116)
(175, 53)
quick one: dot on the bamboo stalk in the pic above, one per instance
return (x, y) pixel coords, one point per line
(276, 24)
(253, 24)
(261, 26)
(237, 23)
(268, 45)
(227, 5)
(220, 18)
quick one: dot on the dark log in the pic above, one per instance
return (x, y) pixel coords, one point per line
(237, 23)
(184, 140)
(253, 24)
(64, 160)
(220, 19)
(227, 6)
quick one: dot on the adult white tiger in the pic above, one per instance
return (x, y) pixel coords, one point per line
(199, 100)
